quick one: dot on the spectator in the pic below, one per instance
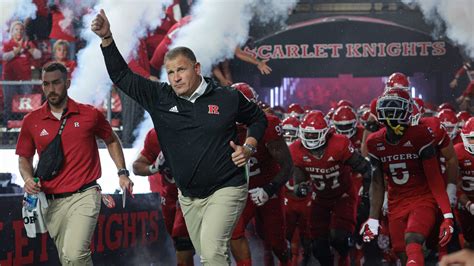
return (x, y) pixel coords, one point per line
(39, 28)
(62, 28)
(221, 71)
(132, 112)
(156, 60)
(154, 38)
(60, 52)
(18, 55)
(464, 100)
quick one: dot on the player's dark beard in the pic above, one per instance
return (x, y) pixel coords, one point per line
(60, 98)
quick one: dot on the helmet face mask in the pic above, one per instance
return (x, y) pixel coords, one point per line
(449, 122)
(395, 109)
(467, 135)
(313, 130)
(312, 138)
(291, 128)
(451, 129)
(348, 129)
(344, 120)
(468, 141)
(290, 134)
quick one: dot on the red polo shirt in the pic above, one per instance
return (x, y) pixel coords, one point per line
(81, 156)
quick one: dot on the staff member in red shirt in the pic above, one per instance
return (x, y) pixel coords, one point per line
(18, 55)
(73, 195)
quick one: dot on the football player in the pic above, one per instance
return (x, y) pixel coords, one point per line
(326, 159)
(151, 162)
(406, 155)
(270, 167)
(297, 209)
(465, 153)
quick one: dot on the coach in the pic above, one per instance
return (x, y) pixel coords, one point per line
(196, 124)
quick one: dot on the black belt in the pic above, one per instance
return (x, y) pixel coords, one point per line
(67, 194)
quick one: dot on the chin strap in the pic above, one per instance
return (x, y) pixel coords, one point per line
(398, 129)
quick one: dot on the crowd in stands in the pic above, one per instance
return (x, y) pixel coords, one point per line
(53, 36)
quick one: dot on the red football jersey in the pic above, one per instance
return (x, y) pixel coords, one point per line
(163, 183)
(356, 142)
(330, 177)
(403, 167)
(466, 166)
(441, 139)
(262, 166)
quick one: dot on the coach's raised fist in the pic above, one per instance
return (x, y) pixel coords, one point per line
(100, 25)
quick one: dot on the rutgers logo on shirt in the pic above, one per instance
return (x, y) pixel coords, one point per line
(213, 109)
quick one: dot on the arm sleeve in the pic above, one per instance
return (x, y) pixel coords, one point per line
(346, 150)
(136, 68)
(36, 53)
(252, 116)
(151, 147)
(158, 57)
(294, 156)
(102, 127)
(7, 56)
(142, 90)
(436, 183)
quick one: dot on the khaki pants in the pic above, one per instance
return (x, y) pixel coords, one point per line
(71, 223)
(210, 222)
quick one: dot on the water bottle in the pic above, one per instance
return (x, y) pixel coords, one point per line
(31, 200)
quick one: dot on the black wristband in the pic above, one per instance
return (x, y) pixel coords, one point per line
(123, 171)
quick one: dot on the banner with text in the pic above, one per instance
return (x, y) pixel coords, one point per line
(132, 236)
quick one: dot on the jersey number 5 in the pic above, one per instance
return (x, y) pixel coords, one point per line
(402, 167)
